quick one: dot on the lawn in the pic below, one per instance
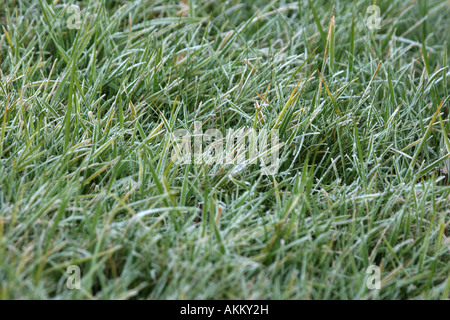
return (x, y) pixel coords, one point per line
(95, 204)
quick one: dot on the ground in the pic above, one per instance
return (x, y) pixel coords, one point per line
(90, 101)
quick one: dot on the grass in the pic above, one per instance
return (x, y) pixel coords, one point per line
(86, 177)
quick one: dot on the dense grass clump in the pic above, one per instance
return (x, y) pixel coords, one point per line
(86, 176)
